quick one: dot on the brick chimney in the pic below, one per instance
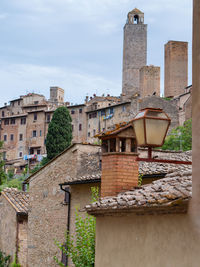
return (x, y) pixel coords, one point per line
(119, 164)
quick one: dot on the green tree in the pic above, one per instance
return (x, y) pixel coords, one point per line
(2, 173)
(59, 134)
(80, 246)
(4, 260)
(180, 138)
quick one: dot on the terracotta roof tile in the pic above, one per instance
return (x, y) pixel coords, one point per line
(18, 199)
(167, 195)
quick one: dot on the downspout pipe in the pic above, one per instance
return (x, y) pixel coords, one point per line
(68, 202)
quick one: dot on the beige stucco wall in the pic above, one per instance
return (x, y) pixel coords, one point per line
(150, 241)
(8, 226)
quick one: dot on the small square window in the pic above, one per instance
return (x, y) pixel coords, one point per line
(12, 121)
(34, 133)
(6, 122)
(80, 110)
(23, 120)
(72, 111)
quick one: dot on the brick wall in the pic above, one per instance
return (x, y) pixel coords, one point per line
(119, 173)
(176, 68)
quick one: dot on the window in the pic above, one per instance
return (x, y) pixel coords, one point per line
(94, 132)
(4, 155)
(72, 111)
(36, 102)
(123, 108)
(38, 151)
(34, 133)
(3, 114)
(88, 134)
(111, 110)
(11, 137)
(35, 116)
(40, 132)
(20, 154)
(5, 137)
(23, 120)
(80, 110)
(80, 127)
(48, 117)
(6, 122)
(12, 121)
(20, 137)
(18, 102)
(92, 115)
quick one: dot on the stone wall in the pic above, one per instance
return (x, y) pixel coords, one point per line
(22, 242)
(169, 106)
(149, 81)
(48, 213)
(8, 226)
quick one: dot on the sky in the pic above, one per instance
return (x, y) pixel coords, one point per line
(77, 44)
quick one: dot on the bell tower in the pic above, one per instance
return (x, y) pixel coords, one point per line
(134, 52)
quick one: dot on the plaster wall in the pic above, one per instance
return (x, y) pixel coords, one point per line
(150, 241)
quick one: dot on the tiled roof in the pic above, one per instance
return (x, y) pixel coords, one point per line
(168, 195)
(114, 129)
(145, 168)
(135, 11)
(18, 199)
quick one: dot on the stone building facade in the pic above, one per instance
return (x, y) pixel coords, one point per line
(14, 224)
(176, 68)
(48, 215)
(134, 52)
(149, 81)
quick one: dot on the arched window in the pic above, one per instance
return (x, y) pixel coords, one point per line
(136, 19)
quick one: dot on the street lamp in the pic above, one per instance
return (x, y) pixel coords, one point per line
(151, 126)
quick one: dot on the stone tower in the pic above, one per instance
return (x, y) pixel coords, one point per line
(134, 51)
(149, 81)
(57, 95)
(176, 68)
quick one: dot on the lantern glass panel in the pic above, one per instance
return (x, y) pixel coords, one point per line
(140, 114)
(155, 131)
(139, 131)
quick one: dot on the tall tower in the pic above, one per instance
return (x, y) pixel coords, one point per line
(176, 68)
(134, 51)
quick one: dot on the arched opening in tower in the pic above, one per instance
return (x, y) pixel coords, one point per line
(136, 19)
